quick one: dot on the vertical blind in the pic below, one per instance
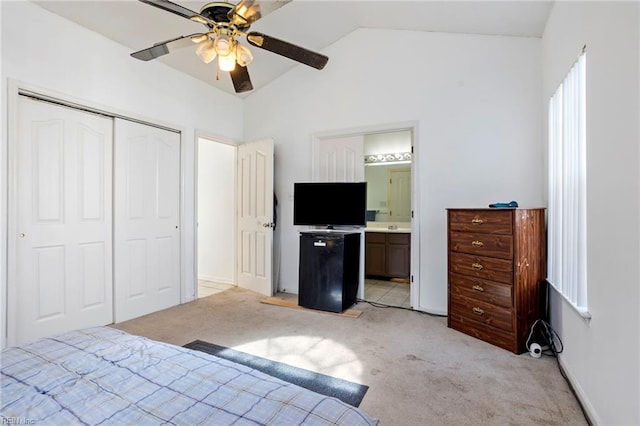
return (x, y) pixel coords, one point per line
(567, 225)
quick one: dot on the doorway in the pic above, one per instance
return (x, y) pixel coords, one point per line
(340, 155)
(388, 171)
(216, 182)
(234, 215)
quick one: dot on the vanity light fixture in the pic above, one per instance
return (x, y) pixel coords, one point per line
(391, 158)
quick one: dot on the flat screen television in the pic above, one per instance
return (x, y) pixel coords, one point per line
(330, 203)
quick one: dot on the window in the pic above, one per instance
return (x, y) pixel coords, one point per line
(567, 222)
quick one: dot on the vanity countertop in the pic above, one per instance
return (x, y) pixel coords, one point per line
(389, 227)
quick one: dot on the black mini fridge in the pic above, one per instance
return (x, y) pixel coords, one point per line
(329, 270)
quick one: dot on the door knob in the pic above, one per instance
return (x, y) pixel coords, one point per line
(22, 235)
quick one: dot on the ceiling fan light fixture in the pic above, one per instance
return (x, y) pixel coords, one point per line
(206, 51)
(243, 55)
(227, 62)
(223, 45)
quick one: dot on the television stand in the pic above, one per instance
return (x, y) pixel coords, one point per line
(329, 270)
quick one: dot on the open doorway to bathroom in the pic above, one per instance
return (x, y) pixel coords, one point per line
(388, 172)
(216, 216)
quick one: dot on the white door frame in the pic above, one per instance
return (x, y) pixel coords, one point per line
(8, 188)
(412, 126)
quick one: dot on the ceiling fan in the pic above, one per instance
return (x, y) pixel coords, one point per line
(225, 23)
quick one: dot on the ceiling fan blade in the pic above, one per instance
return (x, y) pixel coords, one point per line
(162, 48)
(241, 80)
(286, 49)
(248, 11)
(177, 9)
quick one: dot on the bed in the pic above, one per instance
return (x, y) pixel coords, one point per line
(105, 376)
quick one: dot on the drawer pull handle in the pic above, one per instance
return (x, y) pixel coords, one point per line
(476, 266)
(478, 288)
(477, 243)
(476, 221)
(478, 311)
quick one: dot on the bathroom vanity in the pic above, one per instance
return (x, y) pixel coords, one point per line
(388, 251)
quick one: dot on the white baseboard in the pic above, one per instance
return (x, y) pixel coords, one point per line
(593, 417)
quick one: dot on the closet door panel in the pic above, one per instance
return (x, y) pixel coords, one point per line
(61, 236)
(147, 210)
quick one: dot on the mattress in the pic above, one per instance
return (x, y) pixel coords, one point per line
(105, 376)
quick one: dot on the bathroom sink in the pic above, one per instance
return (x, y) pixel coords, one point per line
(388, 227)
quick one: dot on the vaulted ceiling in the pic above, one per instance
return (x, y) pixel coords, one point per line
(314, 24)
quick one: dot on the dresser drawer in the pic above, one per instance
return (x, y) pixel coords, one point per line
(484, 332)
(476, 310)
(487, 268)
(487, 291)
(493, 245)
(483, 221)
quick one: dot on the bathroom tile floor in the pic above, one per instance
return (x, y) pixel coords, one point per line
(387, 293)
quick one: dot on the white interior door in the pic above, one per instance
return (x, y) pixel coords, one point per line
(63, 247)
(147, 217)
(339, 159)
(255, 216)
(399, 194)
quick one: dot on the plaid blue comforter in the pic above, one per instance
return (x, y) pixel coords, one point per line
(105, 376)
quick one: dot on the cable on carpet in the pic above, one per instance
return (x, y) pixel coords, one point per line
(383, 305)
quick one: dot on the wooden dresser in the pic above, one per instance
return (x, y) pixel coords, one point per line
(496, 268)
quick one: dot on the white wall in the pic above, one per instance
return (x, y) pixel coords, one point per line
(387, 142)
(478, 106)
(51, 53)
(216, 211)
(602, 356)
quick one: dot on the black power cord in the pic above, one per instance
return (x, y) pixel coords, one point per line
(383, 305)
(554, 347)
(549, 335)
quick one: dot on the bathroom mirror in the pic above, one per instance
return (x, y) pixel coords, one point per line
(388, 175)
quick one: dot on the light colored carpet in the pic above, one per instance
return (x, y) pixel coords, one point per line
(419, 372)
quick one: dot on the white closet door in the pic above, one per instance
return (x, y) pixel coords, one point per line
(147, 210)
(63, 245)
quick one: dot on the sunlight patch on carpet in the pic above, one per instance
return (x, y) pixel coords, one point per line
(346, 391)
